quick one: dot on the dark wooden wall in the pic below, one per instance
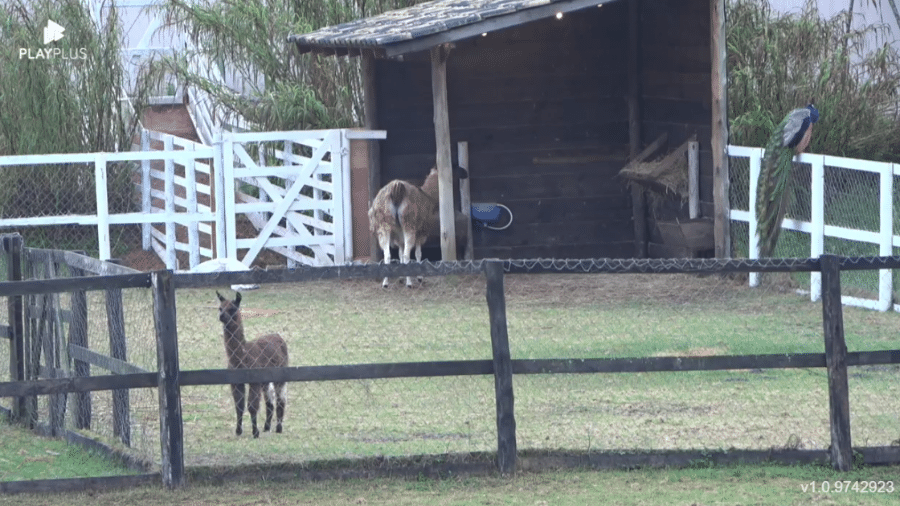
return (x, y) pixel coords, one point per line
(551, 88)
(677, 97)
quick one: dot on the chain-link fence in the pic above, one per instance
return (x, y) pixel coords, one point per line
(565, 317)
(344, 322)
(851, 201)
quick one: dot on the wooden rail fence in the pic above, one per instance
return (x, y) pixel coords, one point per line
(169, 379)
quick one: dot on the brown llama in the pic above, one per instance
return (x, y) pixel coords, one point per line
(404, 215)
(268, 351)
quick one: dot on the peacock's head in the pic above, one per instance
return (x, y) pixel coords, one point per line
(813, 113)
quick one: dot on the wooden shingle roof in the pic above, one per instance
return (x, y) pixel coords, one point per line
(428, 24)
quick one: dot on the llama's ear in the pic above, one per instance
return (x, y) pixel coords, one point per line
(221, 299)
(237, 299)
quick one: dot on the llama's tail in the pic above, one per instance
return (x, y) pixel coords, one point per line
(397, 196)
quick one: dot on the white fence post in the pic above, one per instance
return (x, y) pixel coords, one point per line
(817, 219)
(288, 161)
(102, 206)
(146, 207)
(753, 245)
(171, 259)
(228, 195)
(347, 196)
(190, 194)
(886, 247)
(338, 160)
(218, 179)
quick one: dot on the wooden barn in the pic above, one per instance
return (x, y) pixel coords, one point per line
(558, 102)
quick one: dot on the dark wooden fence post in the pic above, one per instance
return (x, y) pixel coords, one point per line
(13, 245)
(115, 317)
(170, 421)
(78, 336)
(503, 384)
(836, 362)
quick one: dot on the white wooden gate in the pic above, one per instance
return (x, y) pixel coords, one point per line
(294, 189)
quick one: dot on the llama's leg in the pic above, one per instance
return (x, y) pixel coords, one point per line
(406, 252)
(385, 242)
(281, 393)
(270, 406)
(419, 259)
(237, 392)
(253, 405)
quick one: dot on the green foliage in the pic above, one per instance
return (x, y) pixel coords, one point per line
(66, 104)
(779, 62)
(288, 91)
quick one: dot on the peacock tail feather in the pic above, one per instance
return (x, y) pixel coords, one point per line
(773, 192)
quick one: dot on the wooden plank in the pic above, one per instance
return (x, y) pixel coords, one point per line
(78, 338)
(638, 199)
(87, 283)
(444, 160)
(53, 351)
(68, 385)
(544, 111)
(719, 139)
(338, 372)
(110, 364)
(677, 111)
(170, 420)
(613, 227)
(13, 246)
(583, 184)
(115, 322)
(465, 196)
(565, 135)
(836, 361)
(551, 210)
(68, 485)
(503, 371)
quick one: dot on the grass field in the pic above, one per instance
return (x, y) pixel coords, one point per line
(550, 316)
(738, 486)
(25, 456)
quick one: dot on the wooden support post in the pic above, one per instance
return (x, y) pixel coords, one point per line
(442, 144)
(638, 200)
(13, 245)
(694, 179)
(53, 346)
(836, 362)
(719, 139)
(170, 420)
(78, 336)
(465, 196)
(115, 317)
(503, 384)
(32, 345)
(370, 102)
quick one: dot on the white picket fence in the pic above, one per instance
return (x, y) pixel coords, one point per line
(818, 229)
(301, 210)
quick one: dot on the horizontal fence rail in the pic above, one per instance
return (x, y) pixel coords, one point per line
(882, 232)
(170, 378)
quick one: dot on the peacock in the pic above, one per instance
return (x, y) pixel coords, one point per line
(773, 194)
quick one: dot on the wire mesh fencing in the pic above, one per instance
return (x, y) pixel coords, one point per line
(584, 316)
(853, 216)
(342, 323)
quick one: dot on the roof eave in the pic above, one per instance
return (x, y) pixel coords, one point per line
(475, 29)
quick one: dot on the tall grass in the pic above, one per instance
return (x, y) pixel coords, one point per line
(778, 62)
(288, 91)
(65, 104)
